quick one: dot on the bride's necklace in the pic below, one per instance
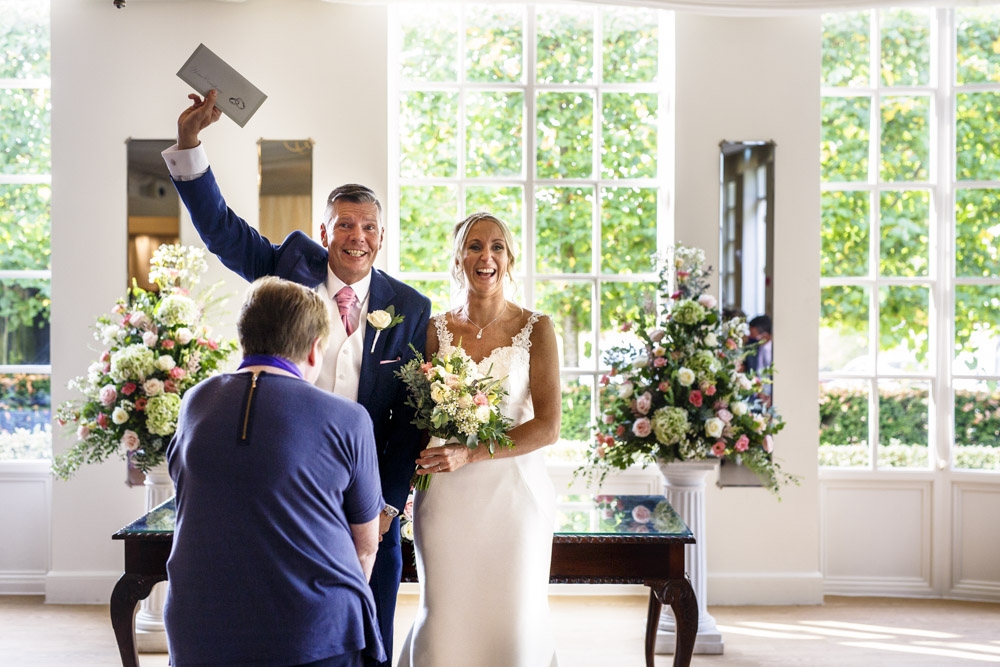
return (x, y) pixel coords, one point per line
(480, 334)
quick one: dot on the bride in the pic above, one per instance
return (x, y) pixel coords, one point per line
(483, 530)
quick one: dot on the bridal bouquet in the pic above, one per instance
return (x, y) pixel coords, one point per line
(455, 401)
(155, 348)
(683, 395)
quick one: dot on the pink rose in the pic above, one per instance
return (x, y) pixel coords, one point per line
(719, 449)
(105, 356)
(130, 440)
(627, 326)
(642, 427)
(177, 372)
(605, 380)
(102, 420)
(426, 367)
(768, 443)
(170, 386)
(659, 362)
(82, 432)
(730, 344)
(694, 398)
(643, 403)
(742, 443)
(641, 514)
(108, 395)
(724, 415)
(408, 509)
(709, 389)
(149, 339)
(707, 300)
(608, 418)
(641, 528)
(210, 344)
(140, 403)
(481, 399)
(663, 386)
(620, 431)
(167, 344)
(129, 388)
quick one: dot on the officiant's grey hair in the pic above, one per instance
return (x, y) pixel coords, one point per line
(462, 234)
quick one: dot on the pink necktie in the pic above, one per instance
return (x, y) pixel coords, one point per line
(345, 299)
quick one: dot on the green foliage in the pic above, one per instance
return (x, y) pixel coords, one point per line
(844, 234)
(629, 131)
(631, 44)
(846, 48)
(906, 50)
(565, 51)
(977, 155)
(24, 40)
(905, 229)
(493, 134)
(978, 53)
(575, 412)
(905, 138)
(845, 135)
(564, 134)
(494, 43)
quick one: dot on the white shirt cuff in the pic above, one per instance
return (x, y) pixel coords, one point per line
(186, 164)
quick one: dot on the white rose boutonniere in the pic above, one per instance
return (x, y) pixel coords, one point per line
(382, 320)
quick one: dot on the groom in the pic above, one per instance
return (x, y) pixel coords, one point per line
(360, 362)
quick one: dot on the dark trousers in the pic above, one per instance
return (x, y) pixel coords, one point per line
(352, 659)
(385, 585)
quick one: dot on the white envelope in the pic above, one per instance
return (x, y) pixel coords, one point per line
(238, 98)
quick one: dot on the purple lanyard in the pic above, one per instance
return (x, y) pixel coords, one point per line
(271, 360)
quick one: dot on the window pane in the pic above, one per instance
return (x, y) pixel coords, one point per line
(844, 148)
(427, 217)
(905, 138)
(903, 410)
(25, 147)
(494, 131)
(24, 321)
(429, 44)
(494, 43)
(977, 329)
(905, 229)
(438, 291)
(624, 304)
(631, 44)
(843, 329)
(906, 49)
(24, 40)
(977, 153)
(846, 49)
(977, 233)
(845, 234)
(428, 134)
(903, 328)
(977, 57)
(564, 230)
(628, 229)
(503, 201)
(576, 419)
(569, 304)
(565, 134)
(25, 417)
(25, 228)
(565, 45)
(630, 141)
(843, 423)
(977, 425)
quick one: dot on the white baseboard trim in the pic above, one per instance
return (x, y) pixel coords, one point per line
(22, 583)
(75, 587)
(982, 591)
(730, 589)
(906, 587)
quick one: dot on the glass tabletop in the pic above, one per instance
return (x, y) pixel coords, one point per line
(618, 515)
(576, 515)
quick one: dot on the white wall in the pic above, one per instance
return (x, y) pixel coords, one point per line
(757, 79)
(323, 68)
(114, 78)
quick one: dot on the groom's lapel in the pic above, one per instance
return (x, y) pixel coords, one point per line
(380, 297)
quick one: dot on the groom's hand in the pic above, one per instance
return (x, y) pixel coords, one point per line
(196, 118)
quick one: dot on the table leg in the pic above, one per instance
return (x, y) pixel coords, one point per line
(126, 595)
(679, 594)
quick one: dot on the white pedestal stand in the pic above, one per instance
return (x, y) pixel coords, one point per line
(150, 637)
(684, 487)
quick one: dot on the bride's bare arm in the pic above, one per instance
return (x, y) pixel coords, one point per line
(546, 398)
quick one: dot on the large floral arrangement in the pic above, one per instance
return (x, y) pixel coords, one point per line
(682, 394)
(155, 347)
(454, 400)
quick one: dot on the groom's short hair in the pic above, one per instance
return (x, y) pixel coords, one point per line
(354, 193)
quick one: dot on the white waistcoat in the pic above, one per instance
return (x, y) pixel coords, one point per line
(342, 362)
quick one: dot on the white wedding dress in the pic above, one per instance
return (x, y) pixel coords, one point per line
(483, 537)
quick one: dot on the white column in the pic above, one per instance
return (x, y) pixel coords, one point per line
(684, 487)
(150, 636)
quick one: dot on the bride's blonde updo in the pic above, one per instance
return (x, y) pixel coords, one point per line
(462, 233)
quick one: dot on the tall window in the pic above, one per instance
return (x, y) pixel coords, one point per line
(550, 118)
(25, 268)
(909, 344)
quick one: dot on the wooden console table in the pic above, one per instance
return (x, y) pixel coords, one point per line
(602, 540)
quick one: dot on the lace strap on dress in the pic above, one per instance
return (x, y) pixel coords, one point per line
(523, 337)
(441, 325)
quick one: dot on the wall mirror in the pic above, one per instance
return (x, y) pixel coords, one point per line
(746, 256)
(285, 173)
(154, 208)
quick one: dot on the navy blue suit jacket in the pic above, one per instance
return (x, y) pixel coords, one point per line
(243, 250)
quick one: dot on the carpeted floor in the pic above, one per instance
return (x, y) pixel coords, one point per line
(608, 632)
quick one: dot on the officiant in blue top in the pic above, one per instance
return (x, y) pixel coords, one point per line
(361, 361)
